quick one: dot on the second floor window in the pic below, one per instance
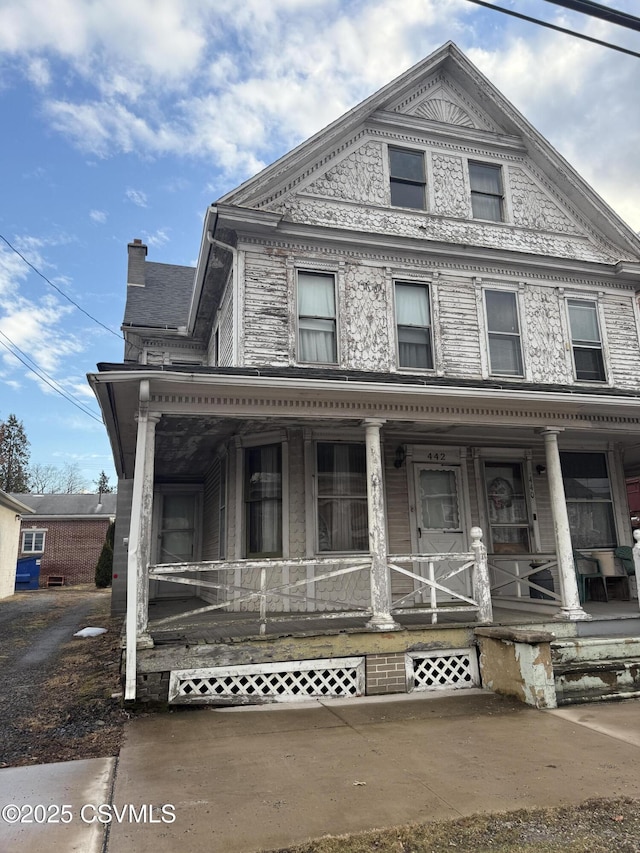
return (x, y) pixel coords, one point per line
(503, 332)
(486, 191)
(413, 319)
(586, 341)
(406, 172)
(317, 318)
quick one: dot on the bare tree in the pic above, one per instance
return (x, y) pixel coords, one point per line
(73, 480)
(45, 479)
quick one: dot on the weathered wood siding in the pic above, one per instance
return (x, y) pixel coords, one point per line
(459, 330)
(266, 315)
(622, 338)
(225, 342)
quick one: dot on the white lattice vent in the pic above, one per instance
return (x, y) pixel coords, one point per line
(442, 668)
(286, 681)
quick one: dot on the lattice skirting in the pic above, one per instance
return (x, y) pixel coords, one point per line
(442, 668)
(286, 681)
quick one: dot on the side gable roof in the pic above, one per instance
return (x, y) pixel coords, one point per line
(444, 88)
(164, 299)
(70, 505)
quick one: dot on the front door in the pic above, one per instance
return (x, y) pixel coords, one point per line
(439, 522)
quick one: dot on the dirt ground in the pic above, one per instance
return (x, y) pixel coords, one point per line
(59, 695)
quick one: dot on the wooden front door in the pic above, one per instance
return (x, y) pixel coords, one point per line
(440, 520)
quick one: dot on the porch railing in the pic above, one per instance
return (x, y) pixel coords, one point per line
(517, 576)
(439, 585)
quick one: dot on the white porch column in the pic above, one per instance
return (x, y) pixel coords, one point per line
(381, 619)
(636, 559)
(571, 608)
(139, 552)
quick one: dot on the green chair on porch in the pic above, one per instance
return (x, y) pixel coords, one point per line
(625, 554)
(588, 568)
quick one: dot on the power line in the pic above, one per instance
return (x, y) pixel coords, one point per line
(554, 27)
(61, 292)
(597, 10)
(47, 379)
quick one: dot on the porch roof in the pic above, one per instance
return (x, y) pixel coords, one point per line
(477, 411)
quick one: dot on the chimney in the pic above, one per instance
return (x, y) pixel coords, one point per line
(135, 270)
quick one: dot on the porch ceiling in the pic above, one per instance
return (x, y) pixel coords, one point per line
(200, 412)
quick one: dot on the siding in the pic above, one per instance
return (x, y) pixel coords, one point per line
(459, 330)
(266, 313)
(622, 339)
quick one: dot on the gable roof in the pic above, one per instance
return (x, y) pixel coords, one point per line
(13, 504)
(164, 299)
(421, 98)
(85, 505)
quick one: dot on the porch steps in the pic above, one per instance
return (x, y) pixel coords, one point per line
(594, 669)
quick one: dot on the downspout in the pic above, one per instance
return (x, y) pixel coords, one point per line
(236, 293)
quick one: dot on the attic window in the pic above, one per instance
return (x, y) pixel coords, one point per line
(406, 173)
(486, 191)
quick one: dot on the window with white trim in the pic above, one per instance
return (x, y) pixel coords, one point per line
(342, 497)
(263, 500)
(503, 333)
(413, 325)
(317, 338)
(586, 340)
(33, 541)
(588, 497)
(407, 180)
(487, 196)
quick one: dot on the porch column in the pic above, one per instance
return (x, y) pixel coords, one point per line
(381, 619)
(139, 552)
(571, 608)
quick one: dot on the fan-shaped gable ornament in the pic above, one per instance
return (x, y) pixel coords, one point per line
(437, 109)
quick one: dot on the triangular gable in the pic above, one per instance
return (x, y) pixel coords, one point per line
(443, 94)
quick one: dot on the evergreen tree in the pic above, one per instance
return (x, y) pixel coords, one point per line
(104, 567)
(102, 484)
(14, 456)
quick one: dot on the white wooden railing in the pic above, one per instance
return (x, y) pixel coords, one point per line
(254, 585)
(513, 577)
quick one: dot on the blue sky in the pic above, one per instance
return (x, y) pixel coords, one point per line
(124, 120)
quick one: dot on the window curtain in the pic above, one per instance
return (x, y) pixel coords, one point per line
(589, 503)
(584, 322)
(316, 312)
(342, 501)
(263, 495)
(414, 321)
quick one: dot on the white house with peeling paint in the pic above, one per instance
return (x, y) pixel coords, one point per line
(397, 397)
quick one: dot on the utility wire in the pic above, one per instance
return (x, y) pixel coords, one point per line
(597, 10)
(554, 27)
(61, 292)
(46, 378)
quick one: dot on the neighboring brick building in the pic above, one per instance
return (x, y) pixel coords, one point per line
(68, 531)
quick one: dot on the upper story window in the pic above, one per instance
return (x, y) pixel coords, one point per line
(342, 497)
(317, 340)
(413, 321)
(503, 332)
(33, 541)
(263, 500)
(486, 191)
(586, 340)
(406, 172)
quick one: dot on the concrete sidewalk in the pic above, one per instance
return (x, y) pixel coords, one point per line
(261, 778)
(247, 779)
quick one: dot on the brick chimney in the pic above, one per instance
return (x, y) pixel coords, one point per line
(135, 270)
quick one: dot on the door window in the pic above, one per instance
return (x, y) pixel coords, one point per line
(438, 499)
(508, 509)
(177, 530)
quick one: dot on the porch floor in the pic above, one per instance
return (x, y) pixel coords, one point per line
(227, 627)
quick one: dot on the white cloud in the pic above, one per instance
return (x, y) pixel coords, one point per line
(158, 238)
(137, 197)
(98, 216)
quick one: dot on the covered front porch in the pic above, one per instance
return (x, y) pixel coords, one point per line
(358, 508)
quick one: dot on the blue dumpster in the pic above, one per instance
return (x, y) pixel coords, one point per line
(28, 573)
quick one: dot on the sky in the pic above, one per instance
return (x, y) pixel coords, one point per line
(125, 120)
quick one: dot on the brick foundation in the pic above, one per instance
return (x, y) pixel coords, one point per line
(152, 687)
(386, 674)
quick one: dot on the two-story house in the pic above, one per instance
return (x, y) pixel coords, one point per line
(415, 333)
